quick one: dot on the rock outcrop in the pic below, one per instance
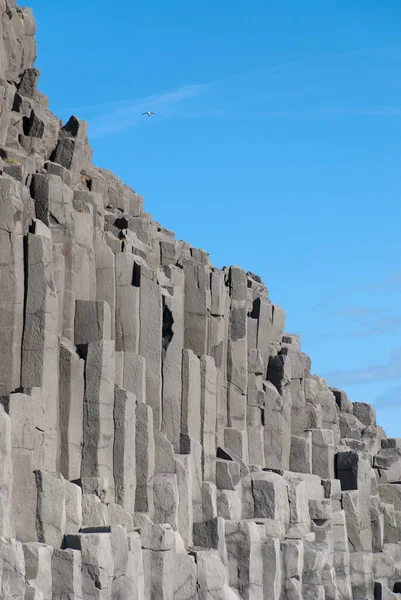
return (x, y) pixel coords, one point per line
(161, 435)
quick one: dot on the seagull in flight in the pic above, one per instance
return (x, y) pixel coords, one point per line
(148, 113)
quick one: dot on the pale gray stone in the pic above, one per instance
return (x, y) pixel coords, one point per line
(40, 351)
(145, 459)
(124, 448)
(94, 512)
(50, 511)
(365, 413)
(20, 474)
(208, 417)
(12, 569)
(272, 569)
(38, 567)
(271, 496)
(172, 348)
(12, 283)
(73, 507)
(97, 563)
(301, 453)
(323, 453)
(166, 499)
(209, 500)
(196, 306)
(71, 399)
(66, 575)
(134, 375)
(191, 395)
(92, 321)
(98, 427)
(127, 303)
(151, 312)
(277, 431)
(184, 471)
(185, 578)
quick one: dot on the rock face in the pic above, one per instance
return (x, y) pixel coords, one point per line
(161, 436)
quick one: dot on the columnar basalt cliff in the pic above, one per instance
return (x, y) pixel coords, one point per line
(161, 436)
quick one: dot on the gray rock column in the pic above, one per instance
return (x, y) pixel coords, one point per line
(66, 574)
(20, 409)
(98, 430)
(197, 308)
(150, 340)
(145, 459)
(172, 349)
(237, 352)
(12, 284)
(208, 417)
(127, 303)
(124, 448)
(71, 413)
(40, 351)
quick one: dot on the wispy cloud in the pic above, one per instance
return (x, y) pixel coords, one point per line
(355, 312)
(379, 326)
(113, 117)
(116, 117)
(392, 282)
(375, 372)
(389, 398)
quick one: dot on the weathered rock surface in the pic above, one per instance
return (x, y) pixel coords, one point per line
(161, 436)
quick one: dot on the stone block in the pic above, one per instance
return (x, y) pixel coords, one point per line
(40, 351)
(124, 464)
(323, 453)
(365, 413)
(191, 395)
(127, 303)
(166, 499)
(172, 351)
(184, 578)
(209, 500)
(18, 437)
(66, 574)
(134, 375)
(73, 507)
(197, 306)
(208, 417)
(150, 338)
(12, 282)
(92, 321)
(71, 399)
(227, 474)
(98, 427)
(245, 560)
(271, 496)
(301, 453)
(277, 431)
(145, 459)
(97, 563)
(38, 567)
(12, 568)
(50, 510)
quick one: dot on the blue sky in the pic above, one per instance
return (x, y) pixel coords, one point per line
(276, 146)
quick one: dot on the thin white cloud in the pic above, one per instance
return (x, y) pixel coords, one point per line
(376, 372)
(379, 326)
(112, 117)
(119, 116)
(389, 399)
(355, 312)
(392, 283)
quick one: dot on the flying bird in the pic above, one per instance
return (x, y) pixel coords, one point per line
(148, 113)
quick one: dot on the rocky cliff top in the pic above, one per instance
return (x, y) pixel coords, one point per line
(161, 435)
